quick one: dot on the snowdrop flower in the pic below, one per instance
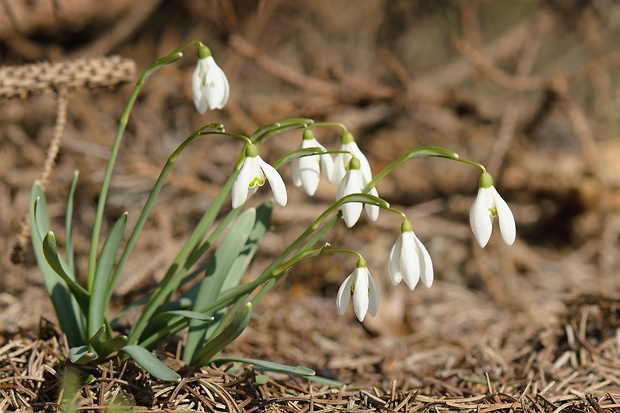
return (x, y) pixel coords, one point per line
(489, 204)
(209, 83)
(341, 163)
(409, 260)
(353, 183)
(362, 287)
(306, 169)
(252, 175)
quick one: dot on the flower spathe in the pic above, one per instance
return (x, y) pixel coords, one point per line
(409, 260)
(306, 170)
(362, 287)
(210, 87)
(489, 204)
(253, 174)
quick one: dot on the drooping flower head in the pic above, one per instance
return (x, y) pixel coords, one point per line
(353, 183)
(409, 260)
(253, 174)
(350, 150)
(489, 204)
(362, 287)
(209, 83)
(306, 169)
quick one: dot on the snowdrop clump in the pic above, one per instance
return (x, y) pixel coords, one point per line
(350, 171)
(215, 304)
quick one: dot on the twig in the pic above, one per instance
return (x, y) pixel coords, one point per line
(17, 255)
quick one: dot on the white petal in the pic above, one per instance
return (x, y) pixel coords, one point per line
(215, 84)
(275, 181)
(372, 210)
(360, 293)
(197, 87)
(394, 262)
(426, 264)
(507, 226)
(340, 168)
(364, 164)
(310, 173)
(373, 305)
(327, 164)
(344, 294)
(409, 260)
(350, 184)
(480, 218)
(239, 191)
(295, 173)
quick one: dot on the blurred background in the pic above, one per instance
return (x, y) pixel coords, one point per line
(529, 88)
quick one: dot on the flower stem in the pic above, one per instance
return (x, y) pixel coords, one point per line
(94, 244)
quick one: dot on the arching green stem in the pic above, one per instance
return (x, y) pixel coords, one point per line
(94, 244)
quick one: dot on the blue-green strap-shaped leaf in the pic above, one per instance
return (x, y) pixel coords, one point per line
(50, 251)
(233, 244)
(67, 310)
(103, 346)
(69, 223)
(190, 315)
(268, 365)
(150, 363)
(203, 356)
(101, 290)
(81, 355)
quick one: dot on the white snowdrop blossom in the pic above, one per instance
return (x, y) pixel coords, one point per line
(210, 87)
(341, 163)
(306, 169)
(489, 204)
(253, 174)
(353, 183)
(362, 287)
(409, 260)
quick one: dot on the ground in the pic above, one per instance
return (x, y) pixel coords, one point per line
(529, 88)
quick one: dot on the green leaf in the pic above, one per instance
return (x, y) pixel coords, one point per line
(233, 245)
(227, 336)
(69, 223)
(150, 363)
(65, 306)
(114, 344)
(50, 250)
(268, 365)
(101, 291)
(261, 379)
(243, 260)
(104, 347)
(191, 315)
(81, 355)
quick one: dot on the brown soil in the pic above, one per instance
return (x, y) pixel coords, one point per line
(528, 88)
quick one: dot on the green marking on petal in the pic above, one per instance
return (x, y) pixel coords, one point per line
(257, 181)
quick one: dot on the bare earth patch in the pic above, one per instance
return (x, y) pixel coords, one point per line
(529, 88)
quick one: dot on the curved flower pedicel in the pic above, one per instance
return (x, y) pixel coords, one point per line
(306, 170)
(362, 287)
(209, 83)
(489, 204)
(409, 260)
(350, 150)
(252, 175)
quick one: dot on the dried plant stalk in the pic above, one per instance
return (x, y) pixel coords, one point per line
(27, 80)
